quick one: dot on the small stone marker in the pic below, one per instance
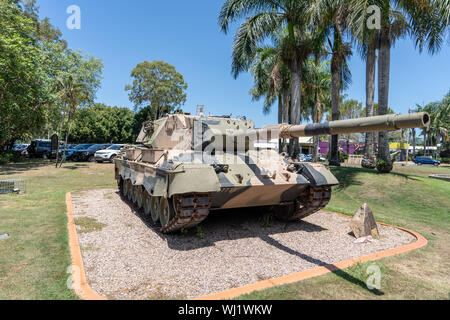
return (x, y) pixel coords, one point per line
(363, 223)
(4, 236)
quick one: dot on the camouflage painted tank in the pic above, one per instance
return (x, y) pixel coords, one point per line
(188, 166)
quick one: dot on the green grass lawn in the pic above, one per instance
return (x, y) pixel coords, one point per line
(407, 198)
(34, 261)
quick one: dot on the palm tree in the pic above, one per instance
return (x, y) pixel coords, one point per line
(317, 83)
(439, 122)
(367, 40)
(263, 19)
(333, 14)
(398, 19)
(72, 93)
(271, 81)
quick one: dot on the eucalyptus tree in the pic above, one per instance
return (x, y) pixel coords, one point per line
(264, 18)
(77, 83)
(157, 85)
(24, 85)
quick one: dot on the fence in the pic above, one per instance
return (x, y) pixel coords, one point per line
(12, 186)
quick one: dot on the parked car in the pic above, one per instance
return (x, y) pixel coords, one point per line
(20, 148)
(108, 154)
(40, 149)
(424, 160)
(305, 158)
(85, 152)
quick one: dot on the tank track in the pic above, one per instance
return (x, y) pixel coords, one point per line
(190, 210)
(311, 200)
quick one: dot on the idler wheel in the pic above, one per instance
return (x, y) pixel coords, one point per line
(154, 209)
(166, 212)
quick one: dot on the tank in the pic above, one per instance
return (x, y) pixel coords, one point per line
(186, 166)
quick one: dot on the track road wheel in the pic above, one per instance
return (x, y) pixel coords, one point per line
(139, 197)
(310, 200)
(130, 191)
(166, 211)
(125, 187)
(133, 194)
(146, 202)
(120, 185)
(154, 209)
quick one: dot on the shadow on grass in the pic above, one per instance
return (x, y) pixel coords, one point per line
(74, 166)
(35, 164)
(347, 176)
(337, 271)
(20, 167)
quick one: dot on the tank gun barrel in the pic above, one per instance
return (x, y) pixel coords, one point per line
(390, 122)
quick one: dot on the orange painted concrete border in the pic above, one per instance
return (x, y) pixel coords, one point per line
(295, 277)
(79, 282)
(85, 292)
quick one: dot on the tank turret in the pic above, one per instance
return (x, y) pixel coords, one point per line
(187, 166)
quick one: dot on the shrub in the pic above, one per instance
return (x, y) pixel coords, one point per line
(9, 157)
(383, 166)
(343, 156)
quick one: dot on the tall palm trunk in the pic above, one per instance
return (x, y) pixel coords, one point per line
(368, 161)
(438, 142)
(296, 75)
(336, 69)
(286, 111)
(384, 62)
(315, 154)
(424, 142)
(280, 119)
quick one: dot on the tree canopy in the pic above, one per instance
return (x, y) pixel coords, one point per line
(103, 124)
(157, 85)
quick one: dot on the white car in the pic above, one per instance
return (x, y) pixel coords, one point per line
(108, 154)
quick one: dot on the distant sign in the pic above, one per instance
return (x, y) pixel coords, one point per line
(55, 142)
(399, 145)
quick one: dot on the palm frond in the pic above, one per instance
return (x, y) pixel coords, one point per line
(251, 33)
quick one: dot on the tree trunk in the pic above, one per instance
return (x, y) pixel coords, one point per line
(368, 160)
(438, 143)
(67, 139)
(424, 142)
(336, 65)
(384, 63)
(286, 112)
(296, 75)
(414, 142)
(315, 153)
(280, 120)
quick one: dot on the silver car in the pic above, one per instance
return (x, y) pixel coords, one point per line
(108, 154)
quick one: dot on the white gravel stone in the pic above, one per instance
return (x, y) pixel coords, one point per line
(130, 259)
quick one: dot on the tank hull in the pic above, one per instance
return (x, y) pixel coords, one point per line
(187, 166)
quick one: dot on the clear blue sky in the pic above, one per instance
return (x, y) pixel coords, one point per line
(186, 35)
